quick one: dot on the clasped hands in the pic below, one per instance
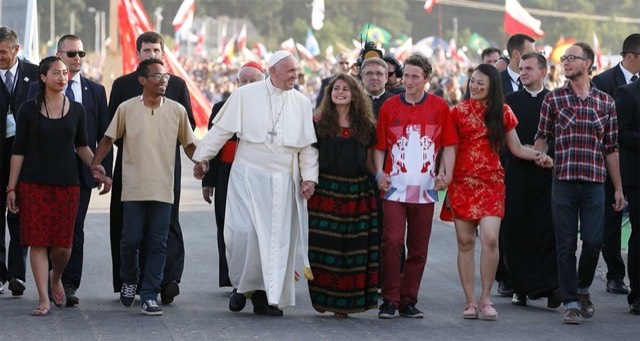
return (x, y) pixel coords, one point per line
(200, 169)
(100, 176)
(542, 160)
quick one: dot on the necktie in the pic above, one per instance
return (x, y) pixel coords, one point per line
(69, 91)
(634, 78)
(8, 81)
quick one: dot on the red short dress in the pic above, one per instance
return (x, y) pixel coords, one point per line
(477, 189)
(47, 214)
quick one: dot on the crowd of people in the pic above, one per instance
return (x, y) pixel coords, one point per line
(526, 160)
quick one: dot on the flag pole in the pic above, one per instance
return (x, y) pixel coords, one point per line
(439, 20)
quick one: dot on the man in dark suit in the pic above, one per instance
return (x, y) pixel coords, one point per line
(374, 74)
(517, 45)
(149, 45)
(628, 106)
(608, 81)
(94, 99)
(16, 76)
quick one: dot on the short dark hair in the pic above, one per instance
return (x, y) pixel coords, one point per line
(587, 51)
(8, 35)
(65, 38)
(542, 61)
(149, 37)
(490, 50)
(143, 67)
(516, 42)
(420, 61)
(631, 44)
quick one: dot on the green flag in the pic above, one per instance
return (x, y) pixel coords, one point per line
(375, 34)
(477, 42)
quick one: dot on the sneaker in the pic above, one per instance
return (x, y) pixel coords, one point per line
(571, 316)
(128, 294)
(1, 288)
(505, 289)
(151, 308)
(586, 306)
(411, 311)
(387, 310)
(519, 300)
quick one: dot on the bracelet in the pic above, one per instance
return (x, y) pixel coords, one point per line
(9, 190)
(379, 175)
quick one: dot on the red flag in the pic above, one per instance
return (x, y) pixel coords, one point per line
(428, 5)
(200, 44)
(184, 17)
(133, 21)
(518, 20)
(241, 41)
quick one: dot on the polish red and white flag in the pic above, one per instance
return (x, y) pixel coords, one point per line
(184, 17)
(518, 20)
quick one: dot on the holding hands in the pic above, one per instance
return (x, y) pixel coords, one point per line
(200, 169)
(100, 176)
(308, 188)
(442, 182)
(384, 181)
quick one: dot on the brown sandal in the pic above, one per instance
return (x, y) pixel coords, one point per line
(341, 315)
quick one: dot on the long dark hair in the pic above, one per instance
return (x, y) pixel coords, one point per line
(43, 69)
(494, 116)
(360, 112)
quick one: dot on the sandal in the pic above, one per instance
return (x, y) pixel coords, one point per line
(488, 311)
(470, 312)
(40, 311)
(59, 299)
(341, 315)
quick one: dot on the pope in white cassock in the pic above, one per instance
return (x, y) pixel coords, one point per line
(275, 170)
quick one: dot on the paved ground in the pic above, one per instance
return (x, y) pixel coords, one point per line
(200, 312)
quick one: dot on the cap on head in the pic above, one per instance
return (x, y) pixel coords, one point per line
(278, 56)
(253, 65)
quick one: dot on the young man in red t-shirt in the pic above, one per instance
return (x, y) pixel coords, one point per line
(412, 128)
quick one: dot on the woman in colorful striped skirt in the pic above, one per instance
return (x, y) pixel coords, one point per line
(343, 223)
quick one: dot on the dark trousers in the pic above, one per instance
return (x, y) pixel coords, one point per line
(15, 267)
(633, 261)
(73, 271)
(220, 206)
(174, 264)
(401, 288)
(570, 201)
(611, 240)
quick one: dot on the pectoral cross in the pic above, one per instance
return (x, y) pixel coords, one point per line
(273, 134)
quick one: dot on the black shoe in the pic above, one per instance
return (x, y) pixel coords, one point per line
(505, 289)
(17, 287)
(554, 300)
(571, 316)
(410, 311)
(387, 310)
(519, 300)
(261, 305)
(586, 306)
(70, 292)
(616, 286)
(151, 308)
(169, 291)
(634, 307)
(237, 301)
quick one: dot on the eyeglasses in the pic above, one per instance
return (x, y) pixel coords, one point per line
(571, 58)
(160, 76)
(635, 54)
(391, 73)
(73, 54)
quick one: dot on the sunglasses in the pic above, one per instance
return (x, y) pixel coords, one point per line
(73, 54)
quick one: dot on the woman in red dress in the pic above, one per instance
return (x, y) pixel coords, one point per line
(476, 193)
(43, 180)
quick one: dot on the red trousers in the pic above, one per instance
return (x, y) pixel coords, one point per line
(402, 288)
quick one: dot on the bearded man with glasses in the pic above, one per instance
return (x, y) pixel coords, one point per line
(582, 123)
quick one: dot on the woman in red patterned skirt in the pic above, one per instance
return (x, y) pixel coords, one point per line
(43, 181)
(343, 222)
(476, 193)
